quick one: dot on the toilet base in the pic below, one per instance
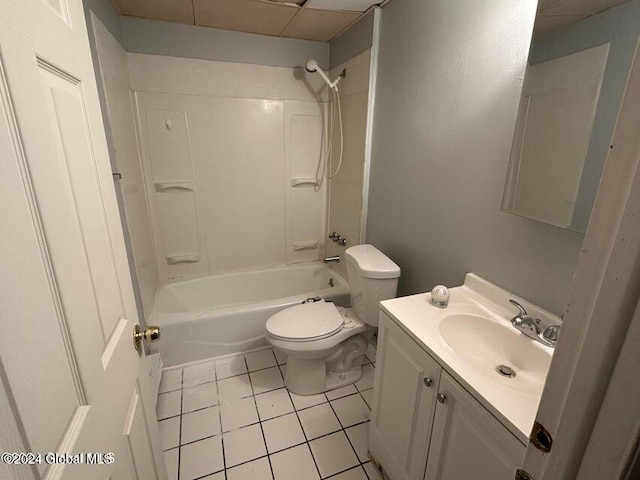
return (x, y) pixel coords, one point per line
(302, 377)
(343, 366)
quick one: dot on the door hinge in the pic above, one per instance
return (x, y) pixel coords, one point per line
(541, 438)
(522, 475)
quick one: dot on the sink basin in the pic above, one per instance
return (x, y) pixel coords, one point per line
(485, 344)
(473, 336)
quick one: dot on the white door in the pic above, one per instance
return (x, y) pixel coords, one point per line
(467, 441)
(405, 397)
(69, 372)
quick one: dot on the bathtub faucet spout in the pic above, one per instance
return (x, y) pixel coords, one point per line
(335, 258)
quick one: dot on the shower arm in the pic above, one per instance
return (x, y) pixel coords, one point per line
(312, 67)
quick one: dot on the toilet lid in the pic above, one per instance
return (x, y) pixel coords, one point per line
(306, 322)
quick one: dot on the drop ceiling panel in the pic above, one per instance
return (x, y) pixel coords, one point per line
(180, 11)
(347, 5)
(322, 25)
(319, 20)
(554, 14)
(546, 23)
(576, 7)
(253, 16)
(544, 4)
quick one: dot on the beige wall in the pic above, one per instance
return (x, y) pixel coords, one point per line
(114, 80)
(345, 190)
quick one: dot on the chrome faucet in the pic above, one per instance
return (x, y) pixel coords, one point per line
(529, 326)
(335, 258)
(525, 322)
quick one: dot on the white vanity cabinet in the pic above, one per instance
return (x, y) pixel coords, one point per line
(432, 430)
(405, 389)
(467, 441)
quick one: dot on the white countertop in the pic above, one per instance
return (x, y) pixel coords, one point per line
(513, 401)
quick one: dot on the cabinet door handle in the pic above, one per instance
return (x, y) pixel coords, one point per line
(442, 398)
(427, 382)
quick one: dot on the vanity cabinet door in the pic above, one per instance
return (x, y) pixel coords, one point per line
(467, 441)
(406, 384)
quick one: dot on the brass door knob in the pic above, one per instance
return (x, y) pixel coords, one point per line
(150, 334)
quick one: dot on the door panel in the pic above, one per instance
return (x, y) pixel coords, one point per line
(68, 367)
(467, 441)
(29, 275)
(138, 439)
(75, 149)
(403, 404)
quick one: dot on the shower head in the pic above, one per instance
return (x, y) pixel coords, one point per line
(312, 67)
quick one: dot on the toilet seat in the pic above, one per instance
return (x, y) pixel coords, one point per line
(306, 322)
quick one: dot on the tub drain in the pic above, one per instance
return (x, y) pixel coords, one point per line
(506, 371)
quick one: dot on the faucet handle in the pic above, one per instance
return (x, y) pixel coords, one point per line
(550, 334)
(523, 312)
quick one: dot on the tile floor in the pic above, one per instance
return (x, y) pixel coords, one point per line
(232, 419)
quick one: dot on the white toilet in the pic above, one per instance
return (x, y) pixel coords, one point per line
(325, 344)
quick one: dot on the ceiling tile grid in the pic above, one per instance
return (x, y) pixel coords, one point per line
(345, 5)
(553, 14)
(322, 25)
(180, 11)
(266, 18)
(320, 20)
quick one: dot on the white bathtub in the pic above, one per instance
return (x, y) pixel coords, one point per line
(217, 315)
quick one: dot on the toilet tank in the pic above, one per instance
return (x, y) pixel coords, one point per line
(373, 277)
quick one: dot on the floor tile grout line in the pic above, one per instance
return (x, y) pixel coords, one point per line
(365, 400)
(213, 360)
(360, 464)
(341, 429)
(296, 411)
(187, 387)
(224, 457)
(180, 432)
(344, 429)
(230, 376)
(248, 461)
(284, 450)
(170, 391)
(333, 475)
(220, 379)
(268, 420)
(264, 439)
(210, 474)
(302, 428)
(204, 438)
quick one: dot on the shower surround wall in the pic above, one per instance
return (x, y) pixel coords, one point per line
(113, 82)
(346, 189)
(241, 132)
(228, 151)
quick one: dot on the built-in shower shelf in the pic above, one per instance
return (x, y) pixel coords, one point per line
(304, 245)
(304, 181)
(185, 258)
(164, 186)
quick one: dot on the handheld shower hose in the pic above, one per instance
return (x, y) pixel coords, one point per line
(336, 110)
